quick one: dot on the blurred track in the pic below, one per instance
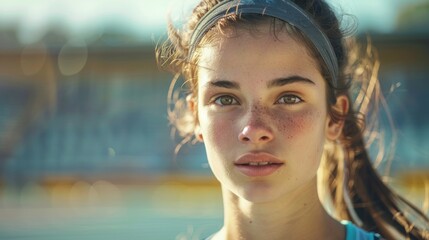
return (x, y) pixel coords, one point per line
(102, 210)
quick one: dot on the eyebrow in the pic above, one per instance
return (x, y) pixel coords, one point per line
(288, 80)
(273, 83)
(224, 84)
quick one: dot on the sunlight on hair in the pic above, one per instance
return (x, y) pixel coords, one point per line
(415, 186)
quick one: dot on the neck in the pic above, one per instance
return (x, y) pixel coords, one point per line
(299, 215)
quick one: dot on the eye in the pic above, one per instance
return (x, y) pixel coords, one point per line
(289, 99)
(225, 100)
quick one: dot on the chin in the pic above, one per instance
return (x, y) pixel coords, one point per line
(258, 193)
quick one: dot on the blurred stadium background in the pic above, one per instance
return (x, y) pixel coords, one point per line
(85, 146)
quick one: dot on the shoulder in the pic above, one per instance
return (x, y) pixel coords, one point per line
(355, 233)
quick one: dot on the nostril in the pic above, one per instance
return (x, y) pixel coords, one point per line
(243, 137)
(265, 138)
(246, 139)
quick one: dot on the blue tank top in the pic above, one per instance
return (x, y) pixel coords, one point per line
(352, 233)
(355, 233)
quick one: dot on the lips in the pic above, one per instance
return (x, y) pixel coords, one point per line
(258, 164)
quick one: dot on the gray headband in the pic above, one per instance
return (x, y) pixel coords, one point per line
(284, 10)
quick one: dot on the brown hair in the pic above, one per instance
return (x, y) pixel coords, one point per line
(351, 188)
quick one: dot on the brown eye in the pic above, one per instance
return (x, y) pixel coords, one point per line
(225, 100)
(289, 99)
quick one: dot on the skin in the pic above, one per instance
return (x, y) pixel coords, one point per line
(263, 94)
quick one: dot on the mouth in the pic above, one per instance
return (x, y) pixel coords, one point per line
(258, 164)
(255, 164)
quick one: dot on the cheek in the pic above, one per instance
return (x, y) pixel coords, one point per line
(300, 124)
(303, 141)
(304, 134)
(217, 131)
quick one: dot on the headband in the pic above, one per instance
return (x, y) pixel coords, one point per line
(284, 10)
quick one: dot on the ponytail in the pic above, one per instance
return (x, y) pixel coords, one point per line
(353, 189)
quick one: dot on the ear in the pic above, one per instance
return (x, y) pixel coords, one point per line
(192, 105)
(335, 128)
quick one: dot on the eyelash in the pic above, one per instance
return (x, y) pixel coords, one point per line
(219, 98)
(296, 98)
(235, 102)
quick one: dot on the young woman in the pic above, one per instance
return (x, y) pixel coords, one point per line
(269, 96)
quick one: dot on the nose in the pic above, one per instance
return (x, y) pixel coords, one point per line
(256, 134)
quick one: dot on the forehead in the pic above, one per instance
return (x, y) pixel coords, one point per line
(255, 51)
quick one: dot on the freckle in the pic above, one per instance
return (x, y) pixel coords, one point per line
(250, 221)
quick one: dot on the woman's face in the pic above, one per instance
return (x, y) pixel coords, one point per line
(262, 114)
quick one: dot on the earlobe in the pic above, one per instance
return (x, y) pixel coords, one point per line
(192, 106)
(198, 134)
(335, 128)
